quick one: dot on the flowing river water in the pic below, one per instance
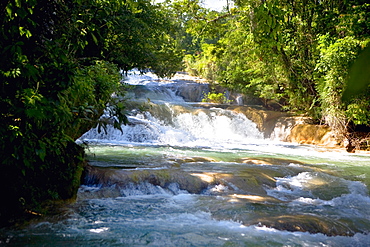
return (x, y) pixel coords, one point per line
(184, 175)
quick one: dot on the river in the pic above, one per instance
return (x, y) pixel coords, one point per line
(184, 175)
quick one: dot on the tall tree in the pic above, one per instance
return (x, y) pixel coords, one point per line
(59, 68)
(288, 51)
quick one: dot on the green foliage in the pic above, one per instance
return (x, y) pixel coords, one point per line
(90, 94)
(219, 98)
(357, 92)
(358, 111)
(295, 52)
(249, 73)
(336, 58)
(168, 60)
(358, 81)
(58, 72)
(203, 64)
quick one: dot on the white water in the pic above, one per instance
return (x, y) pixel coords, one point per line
(174, 136)
(211, 130)
(189, 127)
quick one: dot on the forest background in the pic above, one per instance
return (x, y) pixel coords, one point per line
(60, 63)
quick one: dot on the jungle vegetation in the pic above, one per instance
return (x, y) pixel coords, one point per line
(297, 53)
(60, 63)
(59, 66)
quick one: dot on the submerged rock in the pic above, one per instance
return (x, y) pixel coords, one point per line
(270, 161)
(306, 223)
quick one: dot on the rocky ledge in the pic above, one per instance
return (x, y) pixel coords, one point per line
(283, 126)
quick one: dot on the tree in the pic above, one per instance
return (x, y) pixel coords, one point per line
(58, 70)
(297, 52)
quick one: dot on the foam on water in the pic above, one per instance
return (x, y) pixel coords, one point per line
(163, 220)
(144, 214)
(305, 184)
(342, 199)
(135, 77)
(216, 129)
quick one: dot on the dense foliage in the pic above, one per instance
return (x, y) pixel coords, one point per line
(60, 62)
(296, 52)
(59, 67)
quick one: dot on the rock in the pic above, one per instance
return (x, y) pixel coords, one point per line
(306, 223)
(122, 178)
(270, 161)
(190, 91)
(312, 134)
(264, 119)
(284, 127)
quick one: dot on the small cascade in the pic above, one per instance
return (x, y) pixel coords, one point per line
(190, 127)
(179, 89)
(169, 120)
(194, 174)
(126, 182)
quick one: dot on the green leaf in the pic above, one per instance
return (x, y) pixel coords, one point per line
(9, 9)
(41, 152)
(94, 38)
(18, 3)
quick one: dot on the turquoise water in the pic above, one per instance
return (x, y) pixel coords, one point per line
(183, 176)
(329, 185)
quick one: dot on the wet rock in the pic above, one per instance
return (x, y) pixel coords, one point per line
(122, 178)
(182, 160)
(264, 119)
(306, 223)
(248, 180)
(190, 91)
(270, 161)
(312, 134)
(255, 179)
(253, 199)
(248, 183)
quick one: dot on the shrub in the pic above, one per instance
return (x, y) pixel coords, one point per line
(219, 98)
(336, 56)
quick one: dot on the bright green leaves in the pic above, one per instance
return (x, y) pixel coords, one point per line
(89, 96)
(17, 10)
(358, 111)
(218, 98)
(336, 58)
(24, 31)
(295, 52)
(18, 3)
(9, 10)
(267, 18)
(35, 105)
(12, 73)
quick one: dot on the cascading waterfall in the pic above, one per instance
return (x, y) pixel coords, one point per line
(180, 174)
(194, 128)
(170, 121)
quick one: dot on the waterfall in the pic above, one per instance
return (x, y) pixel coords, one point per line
(192, 174)
(171, 121)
